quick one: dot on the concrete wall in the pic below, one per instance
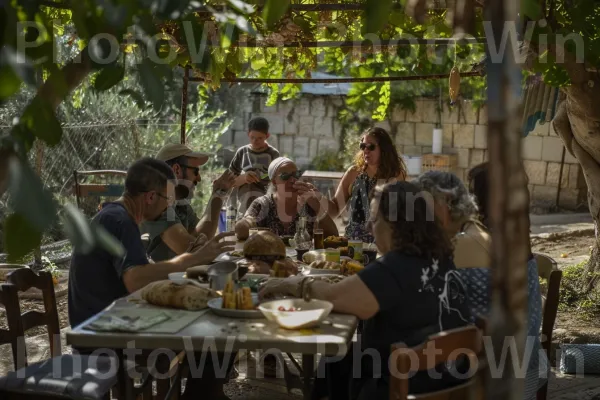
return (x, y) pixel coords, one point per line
(304, 127)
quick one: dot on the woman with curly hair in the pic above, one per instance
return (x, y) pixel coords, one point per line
(457, 211)
(376, 161)
(413, 291)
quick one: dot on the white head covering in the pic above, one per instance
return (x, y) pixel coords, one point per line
(275, 164)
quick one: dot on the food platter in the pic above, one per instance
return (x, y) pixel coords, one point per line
(238, 255)
(216, 306)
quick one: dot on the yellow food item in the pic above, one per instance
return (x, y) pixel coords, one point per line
(324, 265)
(229, 301)
(279, 270)
(351, 267)
(244, 299)
(454, 84)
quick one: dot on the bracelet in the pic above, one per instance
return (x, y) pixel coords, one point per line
(304, 288)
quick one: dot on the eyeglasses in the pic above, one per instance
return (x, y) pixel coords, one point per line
(169, 198)
(368, 146)
(195, 169)
(285, 176)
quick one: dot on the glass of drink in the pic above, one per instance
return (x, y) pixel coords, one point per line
(318, 238)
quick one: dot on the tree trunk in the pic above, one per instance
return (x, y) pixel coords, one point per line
(577, 122)
(509, 206)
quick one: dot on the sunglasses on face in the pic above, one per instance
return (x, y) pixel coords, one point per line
(195, 169)
(285, 176)
(368, 146)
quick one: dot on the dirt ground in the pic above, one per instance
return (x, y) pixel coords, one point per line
(570, 248)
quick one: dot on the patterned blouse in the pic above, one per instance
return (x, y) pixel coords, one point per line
(359, 208)
(478, 281)
(264, 209)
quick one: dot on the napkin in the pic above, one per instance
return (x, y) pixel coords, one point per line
(135, 322)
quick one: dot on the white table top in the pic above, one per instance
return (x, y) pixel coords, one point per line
(330, 338)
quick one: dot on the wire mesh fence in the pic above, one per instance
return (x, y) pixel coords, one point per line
(113, 145)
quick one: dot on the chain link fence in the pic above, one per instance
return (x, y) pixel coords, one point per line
(112, 145)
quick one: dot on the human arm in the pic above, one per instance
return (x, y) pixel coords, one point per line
(246, 177)
(209, 222)
(137, 276)
(179, 239)
(242, 227)
(342, 295)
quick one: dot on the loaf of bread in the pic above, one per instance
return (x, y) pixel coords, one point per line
(169, 294)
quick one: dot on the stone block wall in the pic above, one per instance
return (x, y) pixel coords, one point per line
(300, 128)
(305, 127)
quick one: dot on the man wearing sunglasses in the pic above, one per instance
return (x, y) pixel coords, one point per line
(179, 229)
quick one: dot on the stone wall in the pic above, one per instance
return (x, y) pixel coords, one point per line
(305, 127)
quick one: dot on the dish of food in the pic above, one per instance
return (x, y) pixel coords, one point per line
(240, 303)
(350, 267)
(335, 242)
(296, 313)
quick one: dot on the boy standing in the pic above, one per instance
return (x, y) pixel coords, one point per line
(251, 164)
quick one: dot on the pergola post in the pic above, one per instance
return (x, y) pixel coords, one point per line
(509, 205)
(184, 102)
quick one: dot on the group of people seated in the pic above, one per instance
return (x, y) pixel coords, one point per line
(433, 275)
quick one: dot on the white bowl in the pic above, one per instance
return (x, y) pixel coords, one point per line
(311, 313)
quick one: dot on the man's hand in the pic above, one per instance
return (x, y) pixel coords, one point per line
(207, 253)
(225, 181)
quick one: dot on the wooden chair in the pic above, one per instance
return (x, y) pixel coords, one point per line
(548, 271)
(83, 190)
(62, 376)
(414, 359)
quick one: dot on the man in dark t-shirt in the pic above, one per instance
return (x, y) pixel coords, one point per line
(251, 164)
(98, 278)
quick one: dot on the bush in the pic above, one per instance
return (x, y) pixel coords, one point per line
(572, 298)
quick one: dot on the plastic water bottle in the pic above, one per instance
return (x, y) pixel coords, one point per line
(230, 218)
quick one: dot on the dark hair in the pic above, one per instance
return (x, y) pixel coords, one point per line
(479, 187)
(415, 231)
(391, 165)
(146, 175)
(259, 124)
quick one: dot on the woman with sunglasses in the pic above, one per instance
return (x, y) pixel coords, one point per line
(286, 201)
(376, 162)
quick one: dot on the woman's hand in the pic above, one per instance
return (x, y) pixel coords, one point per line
(281, 287)
(306, 192)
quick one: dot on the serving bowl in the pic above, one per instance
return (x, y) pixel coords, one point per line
(305, 314)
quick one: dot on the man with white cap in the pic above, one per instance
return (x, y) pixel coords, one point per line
(177, 230)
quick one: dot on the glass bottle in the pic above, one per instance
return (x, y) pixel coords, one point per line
(302, 237)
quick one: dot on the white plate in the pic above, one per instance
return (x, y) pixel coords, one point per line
(226, 257)
(311, 313)
(216, 306)
(290, 252)
(314, 271)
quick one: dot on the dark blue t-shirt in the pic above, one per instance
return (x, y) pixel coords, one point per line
(95, 279)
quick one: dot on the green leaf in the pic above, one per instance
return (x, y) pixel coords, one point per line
(20, 67)
(377, 13)
(109, 77)
(40, 119)
(274, 10)
(20, 237)
(531, 9)
(242, 6)
(86, 236)
(152, 84)
(28, 196)
(10, 82)
(136, 96)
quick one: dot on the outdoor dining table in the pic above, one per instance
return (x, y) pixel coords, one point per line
(330, 338)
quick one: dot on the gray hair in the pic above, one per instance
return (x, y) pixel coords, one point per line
(447, 187)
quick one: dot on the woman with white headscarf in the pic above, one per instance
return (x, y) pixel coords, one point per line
(286, 201)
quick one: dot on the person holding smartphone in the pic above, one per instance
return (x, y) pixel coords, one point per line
(251, 164)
